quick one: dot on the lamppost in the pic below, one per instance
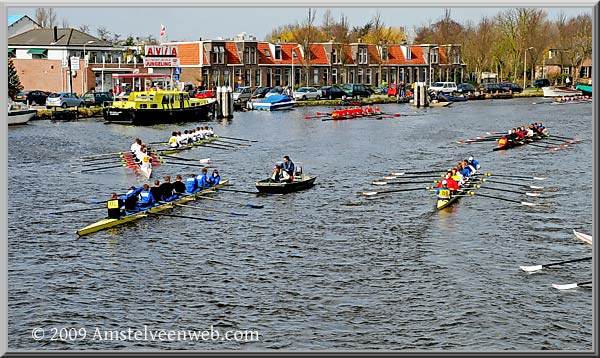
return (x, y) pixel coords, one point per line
(84, 85)
(525, 68)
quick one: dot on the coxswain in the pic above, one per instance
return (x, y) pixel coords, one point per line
(114, 206)
(503, 141)
(191, 185)
(289, 167)
(541, 128)
(474, 163)
(443, 192)
(173, 142)
(166, 190)
(179, 186)
(214, 178)
(156, 191)
(335, 113)
(145, 199)
(202, 179)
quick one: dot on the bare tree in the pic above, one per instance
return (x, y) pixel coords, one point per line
(84, 28)
(65, 23)
(45, 17)
(103, 33)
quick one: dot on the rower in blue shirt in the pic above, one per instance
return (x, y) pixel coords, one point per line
(214, 179)
(474, 163)
(191, 184)
(146, 199)
(202, 180)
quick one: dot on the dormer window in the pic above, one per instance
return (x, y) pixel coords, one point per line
(334, 57)
(384, 54)
(408, 53)
(218, 55)
(277, 52)
(434, 55)
(267, 53)
(362, 55)
(294, 55)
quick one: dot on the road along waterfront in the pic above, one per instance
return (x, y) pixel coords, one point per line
(321, 269)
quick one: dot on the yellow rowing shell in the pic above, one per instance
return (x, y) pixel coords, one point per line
(108, 223)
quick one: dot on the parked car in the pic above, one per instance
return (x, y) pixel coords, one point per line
(444, 87)
(32, 97)
(332, 92)
(260, 92)
(491, 88)
(64, 100)
(509, 86)
(355, 90)
(96, 98)
(242, 95)
(304, 93)
(205, 94)
(275, 90)
(541, 82)
(466, 88)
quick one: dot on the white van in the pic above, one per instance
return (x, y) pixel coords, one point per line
(444, 87)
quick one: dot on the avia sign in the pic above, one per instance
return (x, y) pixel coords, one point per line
(165, 51)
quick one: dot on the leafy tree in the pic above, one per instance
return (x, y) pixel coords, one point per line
(14, 83)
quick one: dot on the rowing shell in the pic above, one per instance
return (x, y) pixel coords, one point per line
(108, 223)
(584, 237)
(513, 144)
(185, 146)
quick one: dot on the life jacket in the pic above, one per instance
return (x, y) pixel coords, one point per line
(173, 142)
(276, 175)
(502, 141)
(444, 193)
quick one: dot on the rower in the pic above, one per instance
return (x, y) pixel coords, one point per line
(146, 160)
(191, 186)
(466, 170)
(443, 193)
(289, 167)
(178, 185)
(450, 183)
(166, 190)
(156, 191)
(457, 177)
(173, 142)
(211, 131)
(114, 206)
(145, 199)
(541, 128)
(474, 163)
(202, 179)
(131, 198)
(137, 144)
(214, 178)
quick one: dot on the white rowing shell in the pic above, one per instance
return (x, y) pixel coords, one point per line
(584, 237)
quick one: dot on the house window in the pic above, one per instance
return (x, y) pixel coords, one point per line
(278, 77)
(11, 53)
(551, 53)
(384, 77)
(247, 77)
(402, 75)
(393, 74)
(288, 78)
(247, 55)
(218, 55)
(267, 53)
(226, 78)
(408, 53)
(362, 55)
(38, 53)
(205, 77)
(360, 75)
(334, 75)
(434, 56)
(294, 55)
(351, 79)
(269, 77)
(384, 54)
(277, 52)
(253, 55)
(456, 56)
(216, 77)
(316, 76)
(336, 57)
(566, 70)
(238, 75)
(368, 80)
(257, 78)
(325, 76)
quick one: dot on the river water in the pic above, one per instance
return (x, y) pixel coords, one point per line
(322, 269)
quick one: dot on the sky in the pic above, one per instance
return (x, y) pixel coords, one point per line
(190, 24)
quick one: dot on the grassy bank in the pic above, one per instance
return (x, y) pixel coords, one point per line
(60, 113)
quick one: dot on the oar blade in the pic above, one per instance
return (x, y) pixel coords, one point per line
(533, 194)
(531, 268)
(379, 183)
(369, 193)
(255, 206)
(528, 204)
(565, 287)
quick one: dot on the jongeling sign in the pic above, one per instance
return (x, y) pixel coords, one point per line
(161, 62)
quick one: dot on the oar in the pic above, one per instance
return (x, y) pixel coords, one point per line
(514, 176)
(401, 173)
(561, 137)
(254, 206)
(539, 267)
(105, 157)
(183, 216)
(222, 145)
(511, 200)
(371, 193)
(401, 182)
(73, 211)
(183, 159)
(216, 147)
(92, 169)
(215, 210)
(243, 191)
(511, 191)
(100, 155)
(232, 142)
(234, 138)
(507, 183)
(571, 285)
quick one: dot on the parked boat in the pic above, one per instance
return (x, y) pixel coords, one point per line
(584, 237)
(108, 223)
(274, 103)
(559, 91)
(443, 97)
(154, 106)
(432, 104)
(523, 142)
(301, 182)
(19, 113)
(585, 89)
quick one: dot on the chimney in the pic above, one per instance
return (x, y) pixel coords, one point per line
(55, 34)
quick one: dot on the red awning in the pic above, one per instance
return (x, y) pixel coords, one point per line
(140, 75)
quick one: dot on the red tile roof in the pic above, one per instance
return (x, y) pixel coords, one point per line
(189, 53)
(232, 54)
(318, 55)
(417, 57)
(443, 58)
